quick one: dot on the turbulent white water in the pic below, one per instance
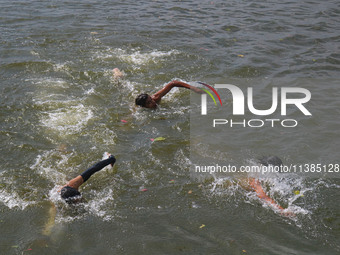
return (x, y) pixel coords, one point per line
(63, 106)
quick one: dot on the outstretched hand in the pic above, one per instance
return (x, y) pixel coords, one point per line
(109, 155)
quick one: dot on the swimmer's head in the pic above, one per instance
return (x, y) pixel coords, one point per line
(144, 100)
(70, 195)
(271, 160)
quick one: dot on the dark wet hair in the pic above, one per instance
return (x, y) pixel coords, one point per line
(271, 160)
(141, 99)
(69, 194)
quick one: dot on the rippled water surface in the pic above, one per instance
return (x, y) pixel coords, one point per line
(61, 109)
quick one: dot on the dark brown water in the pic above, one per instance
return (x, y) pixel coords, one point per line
(61, 109)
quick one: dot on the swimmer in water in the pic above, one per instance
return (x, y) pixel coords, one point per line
(147, 101)
(117, 74)
(70, 193)
(255, 185)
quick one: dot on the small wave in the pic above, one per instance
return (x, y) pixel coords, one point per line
(13, 200)
(70, 120)
(43, 166)
(91, 91)
(135, 57)
(49, 83)
(63, 67)
(99, 204)
(140, 58)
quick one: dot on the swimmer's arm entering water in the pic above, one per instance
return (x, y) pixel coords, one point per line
(158, 95)
(256, 185)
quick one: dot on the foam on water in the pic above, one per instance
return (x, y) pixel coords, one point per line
(283, 188)
(48, 169)
(139, 58)
(103, 136)
(49, 83)
(90, 91)
(63, 67)
(101, 204)
(68, 121)
(13, 200)
(134, 57)
(63, 115)
(11, 194)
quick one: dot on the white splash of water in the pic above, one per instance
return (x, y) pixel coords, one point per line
(98, 204)
(13, 200)
(135, 56)
(68, 120)
(139, 58)
(47, 169)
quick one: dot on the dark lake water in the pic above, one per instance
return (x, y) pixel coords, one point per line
(61, 109)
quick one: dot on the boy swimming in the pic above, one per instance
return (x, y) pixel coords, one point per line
(69, 192)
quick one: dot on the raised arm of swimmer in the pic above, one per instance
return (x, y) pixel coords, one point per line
(148, 101)
(158, 95)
